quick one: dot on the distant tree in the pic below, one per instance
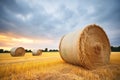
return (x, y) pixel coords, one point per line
(50, 50)
(46, 50)
(42, 50)
(115, 49)
(6, 51)
(28, 50)
(1, 50)
(54, 50)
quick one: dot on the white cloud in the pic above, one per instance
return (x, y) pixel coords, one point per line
(90, 9)
(24, 17)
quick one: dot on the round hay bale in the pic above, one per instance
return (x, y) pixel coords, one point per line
(89, 48)
(37, 52)
(17, 51)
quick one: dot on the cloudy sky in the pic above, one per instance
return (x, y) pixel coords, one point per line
(42, 23)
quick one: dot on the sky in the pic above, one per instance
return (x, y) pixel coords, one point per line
(41, 23)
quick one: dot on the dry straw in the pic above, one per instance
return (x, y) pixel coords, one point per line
(37, 52)
(89, 48)
(17, 51)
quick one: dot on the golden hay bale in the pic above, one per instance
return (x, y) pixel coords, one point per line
(89, 47)
(17, 51)
(37, 52)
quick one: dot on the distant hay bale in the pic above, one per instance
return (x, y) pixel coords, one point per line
(89, 48)
(17, 51)
(37, 52)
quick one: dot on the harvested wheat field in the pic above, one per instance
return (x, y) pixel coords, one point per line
(50, 66)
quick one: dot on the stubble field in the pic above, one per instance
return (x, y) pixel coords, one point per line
(50, 66)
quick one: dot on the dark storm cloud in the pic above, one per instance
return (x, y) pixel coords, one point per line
(14, 6)
(8, 20)
(52, 19)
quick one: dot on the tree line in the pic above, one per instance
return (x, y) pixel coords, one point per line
(28, 50)
(113, 49)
